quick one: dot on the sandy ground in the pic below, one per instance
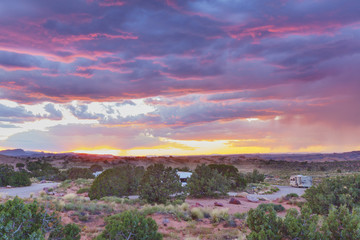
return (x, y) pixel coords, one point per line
(24, 192)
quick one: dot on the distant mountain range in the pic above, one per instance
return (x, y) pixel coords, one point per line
(16, 153)
(300, 157)
(23, 153)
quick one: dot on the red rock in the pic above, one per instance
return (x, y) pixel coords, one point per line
(234, 201)
(218, 204)
(198, 205)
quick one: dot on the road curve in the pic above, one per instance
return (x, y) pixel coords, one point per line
(25, 192)
(283, 191)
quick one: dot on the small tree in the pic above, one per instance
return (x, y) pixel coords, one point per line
(96, 168)
(159, 183)
(264, 225)
(341, 224)
(301, 226)
(71, 231)
(119, 181)
(237, 180)
(25, 221)
(6, 171)
(20, 165)
(337, 191)
(75, 173)
(42, 170)
(130, 225)
(9, 177)
(255, 177)
(19, 179)
(206, 182)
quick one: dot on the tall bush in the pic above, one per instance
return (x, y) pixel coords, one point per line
(341, 223)
(207, 182)
(75, 173)
(26, 221)
(130, 225)
(96, 168)
(10, 177)
(237, 180)
(119, 181)
(336, 191)
(159, 183)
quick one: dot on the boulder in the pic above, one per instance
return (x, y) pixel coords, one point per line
(8, 186)
(198, 205)
(251, 198)
(234, 201)
(218, 204)
(241, 194)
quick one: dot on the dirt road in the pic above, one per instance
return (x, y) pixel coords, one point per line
(24, 192)
(283, 191)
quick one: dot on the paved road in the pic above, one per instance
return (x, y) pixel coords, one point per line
(24, 192)
(283, 191)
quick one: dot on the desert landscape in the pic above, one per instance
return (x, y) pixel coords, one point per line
(179, 120)
(65, 184)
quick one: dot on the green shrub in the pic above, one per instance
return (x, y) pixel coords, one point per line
(342, 224)
(20, 165)
(196, 213)
(301, 226)
(344, 190)
(25, 221)
(83, 190)
(119, 181)
(68, 232)
(241, 216)
(291, 195)
(237, 180)
(264, 225)
(255, 177)
(159, 183)
(19, 179)
(16, 179)
(130, 225)
(218, 215)
(43, 170)
(206, 182)
(75, 173)
(276, 207)
(96, 168)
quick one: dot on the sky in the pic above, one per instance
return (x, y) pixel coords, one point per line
(180, 77)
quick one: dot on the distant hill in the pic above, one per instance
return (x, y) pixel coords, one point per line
(20, 153)
(13, 152)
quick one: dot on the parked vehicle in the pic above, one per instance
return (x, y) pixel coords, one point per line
(184, 176)
(301, 181)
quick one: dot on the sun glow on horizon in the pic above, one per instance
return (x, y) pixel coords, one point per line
(99, 151)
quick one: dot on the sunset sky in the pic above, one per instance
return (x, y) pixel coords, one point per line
(180, 77)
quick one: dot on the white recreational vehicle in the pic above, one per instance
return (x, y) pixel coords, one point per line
(184, 177)
(301, 181)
